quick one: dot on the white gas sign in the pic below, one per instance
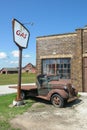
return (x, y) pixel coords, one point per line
(20, 34)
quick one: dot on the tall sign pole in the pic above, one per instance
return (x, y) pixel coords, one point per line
(21, 38)
(19, 74)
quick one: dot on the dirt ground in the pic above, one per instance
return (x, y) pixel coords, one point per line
(44, 116)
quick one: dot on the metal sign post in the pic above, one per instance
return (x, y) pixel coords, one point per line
(21, 38)
(19, 74)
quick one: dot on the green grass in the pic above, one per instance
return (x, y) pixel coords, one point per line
(6, 79)
(7, 112)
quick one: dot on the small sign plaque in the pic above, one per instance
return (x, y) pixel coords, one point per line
(20, 34)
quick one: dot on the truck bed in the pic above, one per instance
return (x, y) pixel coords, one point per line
(32, 89)
(25, 87)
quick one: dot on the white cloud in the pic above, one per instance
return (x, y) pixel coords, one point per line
(26, 56)
(14, 62)
(3, 55)
(15, 53)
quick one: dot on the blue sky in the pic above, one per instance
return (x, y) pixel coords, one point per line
(49, 17)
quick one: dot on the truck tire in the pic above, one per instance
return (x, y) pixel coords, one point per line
(23, 95)
(57, 100)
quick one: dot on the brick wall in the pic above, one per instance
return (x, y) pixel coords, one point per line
(64, 45)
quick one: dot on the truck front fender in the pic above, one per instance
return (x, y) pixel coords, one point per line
(60, 92)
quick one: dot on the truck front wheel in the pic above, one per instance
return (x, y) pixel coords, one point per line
(57, 100)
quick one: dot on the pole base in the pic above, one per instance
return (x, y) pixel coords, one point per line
(18, 103)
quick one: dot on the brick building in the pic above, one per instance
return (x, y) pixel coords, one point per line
(64, 55)
(9, 70)
(29, 68)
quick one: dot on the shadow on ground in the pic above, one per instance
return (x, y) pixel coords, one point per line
(73, 103)
(40, 100)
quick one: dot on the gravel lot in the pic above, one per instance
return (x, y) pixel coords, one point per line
(44, 116)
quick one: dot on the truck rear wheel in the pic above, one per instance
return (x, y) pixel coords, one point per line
(57, 100)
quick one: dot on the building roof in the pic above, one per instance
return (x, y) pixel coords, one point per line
(28, 65)
(9, 69)
(57, 35)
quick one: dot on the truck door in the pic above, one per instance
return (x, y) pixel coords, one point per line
(42, 85)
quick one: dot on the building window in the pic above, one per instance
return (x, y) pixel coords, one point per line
(60, 67)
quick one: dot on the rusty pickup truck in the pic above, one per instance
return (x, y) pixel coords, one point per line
(52, 89)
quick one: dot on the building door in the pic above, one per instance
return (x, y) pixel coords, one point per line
(85, 74)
